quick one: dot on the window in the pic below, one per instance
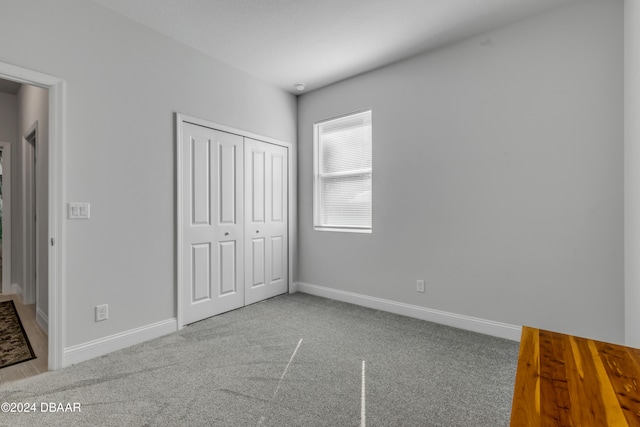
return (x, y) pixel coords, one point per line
(343, 173)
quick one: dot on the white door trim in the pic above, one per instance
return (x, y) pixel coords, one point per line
(6, 217)
(55, 86)
(180, 118)
(29, 227)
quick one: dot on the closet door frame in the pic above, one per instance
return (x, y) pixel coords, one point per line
(291, 198)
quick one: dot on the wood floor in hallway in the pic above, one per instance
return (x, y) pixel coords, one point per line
(37, 338)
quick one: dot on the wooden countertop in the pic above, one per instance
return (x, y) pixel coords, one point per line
(564, 380)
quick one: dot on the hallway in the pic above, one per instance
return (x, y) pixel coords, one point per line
(37, 338)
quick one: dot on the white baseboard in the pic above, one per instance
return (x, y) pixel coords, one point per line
(483, 326)
(42, 320)
(16, 289)
(89, 350)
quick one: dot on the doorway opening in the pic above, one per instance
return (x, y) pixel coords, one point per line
(30, 209)
(5, 217)
(48, 169)
(28, 104)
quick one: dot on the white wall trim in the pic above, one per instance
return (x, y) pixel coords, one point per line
(16, 289)
(219, 126)
(474, 324)
(631, 172)
(42, 320)
(89, 350)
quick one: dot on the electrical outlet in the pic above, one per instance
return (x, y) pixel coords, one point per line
(102, 312)
(420, 286)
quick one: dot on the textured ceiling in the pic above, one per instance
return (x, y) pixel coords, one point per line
(318, 42)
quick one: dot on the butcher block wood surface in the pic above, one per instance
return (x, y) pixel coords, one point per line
(563, 380)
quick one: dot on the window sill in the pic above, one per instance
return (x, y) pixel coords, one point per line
(345, 230)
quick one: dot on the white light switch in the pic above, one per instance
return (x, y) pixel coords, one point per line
(79, 211)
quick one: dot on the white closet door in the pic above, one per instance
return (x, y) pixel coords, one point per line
(212, 204)
(266, 220)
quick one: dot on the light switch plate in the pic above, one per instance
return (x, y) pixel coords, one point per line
(79, 210)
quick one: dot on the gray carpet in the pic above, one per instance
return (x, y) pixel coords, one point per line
(228, 371)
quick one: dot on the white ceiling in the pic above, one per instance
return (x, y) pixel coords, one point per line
(318, 42)
(7, 86)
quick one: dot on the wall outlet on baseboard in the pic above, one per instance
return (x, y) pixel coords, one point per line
(102, 312)
(420, 286)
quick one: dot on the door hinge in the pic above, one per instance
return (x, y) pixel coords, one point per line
(53, 242)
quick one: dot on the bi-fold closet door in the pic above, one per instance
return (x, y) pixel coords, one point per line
(234, 221)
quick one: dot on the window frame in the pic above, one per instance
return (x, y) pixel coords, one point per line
(318, 179)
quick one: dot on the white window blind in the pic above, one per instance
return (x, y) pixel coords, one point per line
(343, 173)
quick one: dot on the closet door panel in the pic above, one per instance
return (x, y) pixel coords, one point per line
(266, 178)
(200, 272)
(234, 222)
(277, 261)
(257, 186)
(257, 266)
(213, 218)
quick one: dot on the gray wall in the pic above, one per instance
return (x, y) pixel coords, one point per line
(33, 106)
(498, 177)
(8, 117)
(123, 85)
